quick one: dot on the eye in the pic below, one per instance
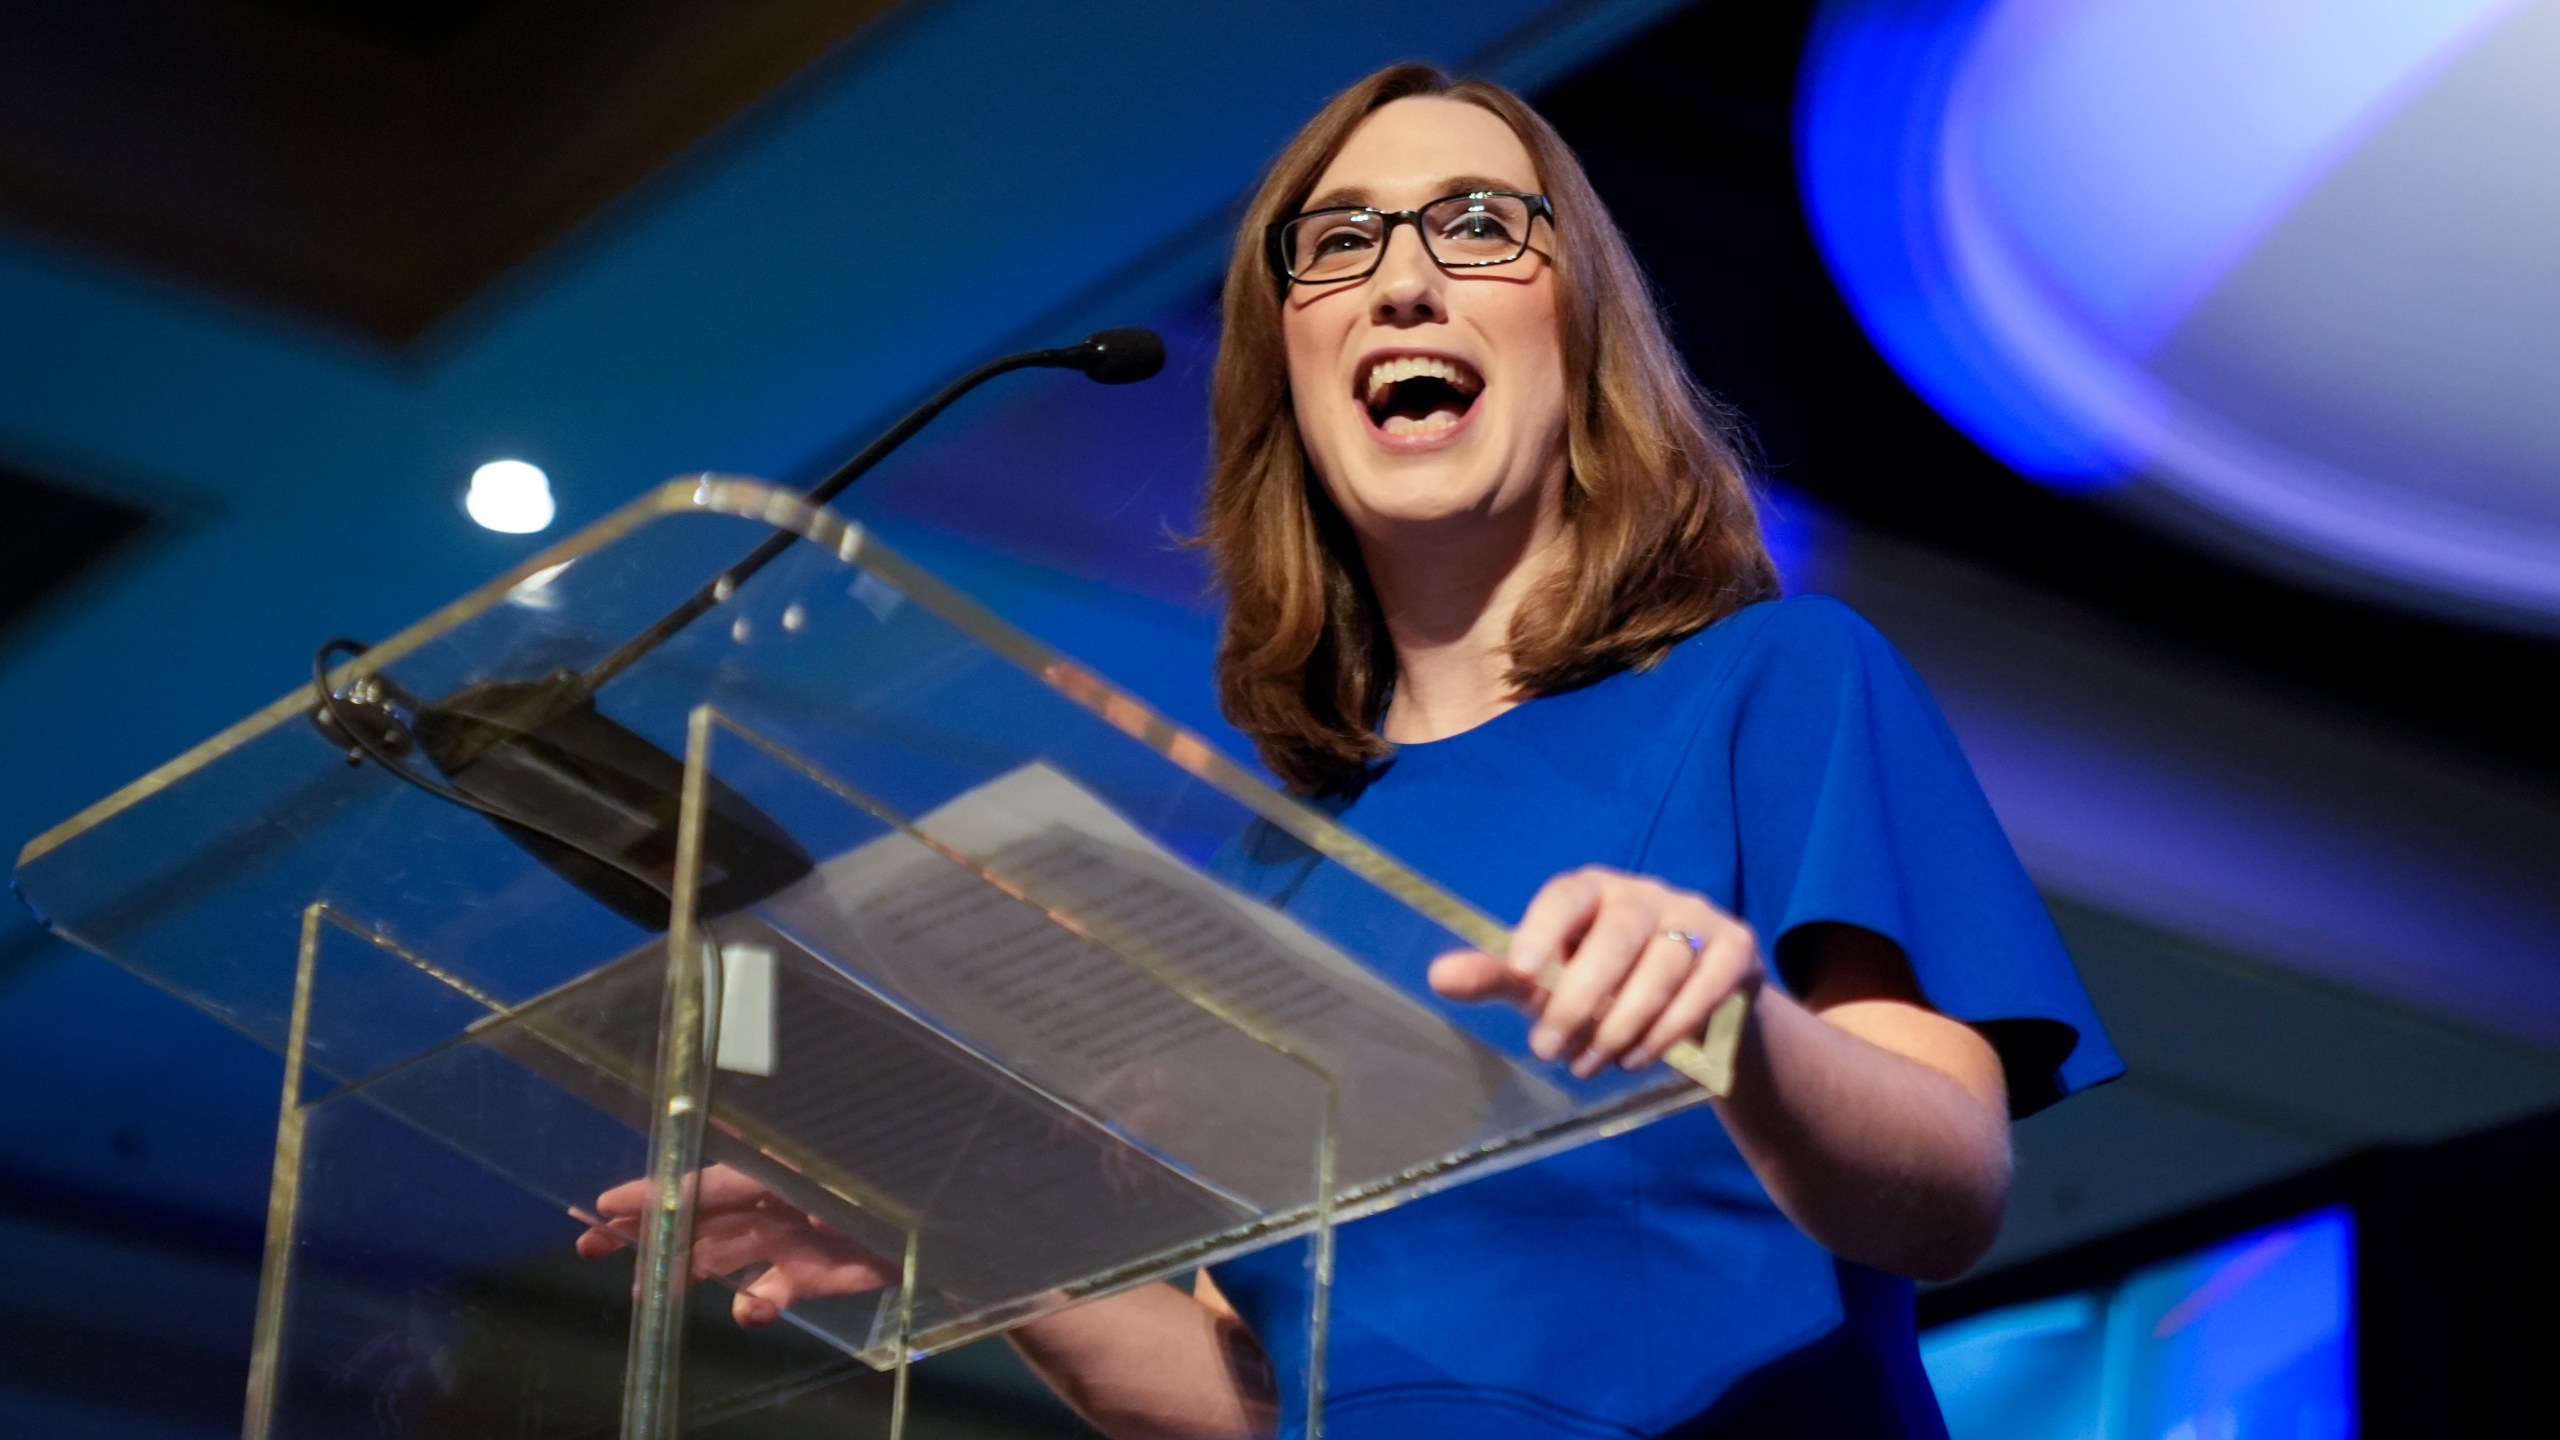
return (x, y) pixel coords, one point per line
(1481, 227)
(1478, 229)
(1340, 239)
(1330, 244)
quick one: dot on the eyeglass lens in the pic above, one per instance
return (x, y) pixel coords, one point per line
(1462, 230)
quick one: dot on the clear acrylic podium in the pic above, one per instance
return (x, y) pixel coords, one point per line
(1005, 1037)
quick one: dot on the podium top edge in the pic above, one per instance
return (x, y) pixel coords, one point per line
(749, 498)
(708, 492)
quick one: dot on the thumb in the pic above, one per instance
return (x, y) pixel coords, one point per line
(762, 1300)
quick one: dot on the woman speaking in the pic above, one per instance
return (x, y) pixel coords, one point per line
(1496, 597)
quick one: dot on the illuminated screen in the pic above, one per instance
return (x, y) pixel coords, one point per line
(2254, 1336)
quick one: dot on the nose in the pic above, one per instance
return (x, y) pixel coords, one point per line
(1405, 290)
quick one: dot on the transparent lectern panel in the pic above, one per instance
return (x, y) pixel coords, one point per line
(423, 1276)
(196, 874)
(1009, 1006)
(432, 1295)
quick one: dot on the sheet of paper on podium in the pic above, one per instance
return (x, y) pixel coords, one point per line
(1173, 1052)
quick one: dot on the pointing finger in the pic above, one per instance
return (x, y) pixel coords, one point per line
(1474, 975)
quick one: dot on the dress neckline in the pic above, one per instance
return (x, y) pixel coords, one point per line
(1416, 747)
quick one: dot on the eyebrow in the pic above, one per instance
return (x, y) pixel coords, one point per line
(1358, 197)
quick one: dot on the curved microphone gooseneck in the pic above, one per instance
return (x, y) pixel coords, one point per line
(1111, 357)
(593, 800)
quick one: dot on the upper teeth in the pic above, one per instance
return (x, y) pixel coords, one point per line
(1399, 368)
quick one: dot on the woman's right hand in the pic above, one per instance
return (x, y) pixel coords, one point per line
(1151, 1361)
(739, 1224)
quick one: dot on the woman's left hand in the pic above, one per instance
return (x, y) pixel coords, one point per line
(1630, 967)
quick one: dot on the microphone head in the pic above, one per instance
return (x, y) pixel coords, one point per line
(1119, 357)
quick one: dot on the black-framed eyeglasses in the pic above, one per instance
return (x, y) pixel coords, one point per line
(1460, 232)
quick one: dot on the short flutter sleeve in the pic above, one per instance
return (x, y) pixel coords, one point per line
(1854, 805)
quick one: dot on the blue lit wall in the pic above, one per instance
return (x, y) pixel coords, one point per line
(2253, 1337)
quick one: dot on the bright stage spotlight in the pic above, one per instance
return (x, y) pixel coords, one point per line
(510, 496)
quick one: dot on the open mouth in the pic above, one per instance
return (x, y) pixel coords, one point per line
(1419, 395)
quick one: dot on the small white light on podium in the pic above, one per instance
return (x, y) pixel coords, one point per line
(510, 496)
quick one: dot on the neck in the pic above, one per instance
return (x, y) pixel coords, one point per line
(1449, 603)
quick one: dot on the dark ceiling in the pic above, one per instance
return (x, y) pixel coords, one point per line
(1688, 133)
(369, 164)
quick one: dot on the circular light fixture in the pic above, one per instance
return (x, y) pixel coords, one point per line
(510, 496)
(2271, 274)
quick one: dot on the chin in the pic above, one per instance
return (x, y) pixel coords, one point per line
(1415, 497)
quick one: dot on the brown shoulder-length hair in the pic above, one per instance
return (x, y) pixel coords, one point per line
(1658, 511)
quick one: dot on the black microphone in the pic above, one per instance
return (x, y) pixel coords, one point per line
(593, 800)
(1116, 357)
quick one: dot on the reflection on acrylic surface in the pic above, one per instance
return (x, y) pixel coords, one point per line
(2253, 1337)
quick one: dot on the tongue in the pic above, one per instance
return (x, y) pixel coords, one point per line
(1441, 417)
(1422, 404)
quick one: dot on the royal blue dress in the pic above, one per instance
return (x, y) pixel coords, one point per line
(1786, 763)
